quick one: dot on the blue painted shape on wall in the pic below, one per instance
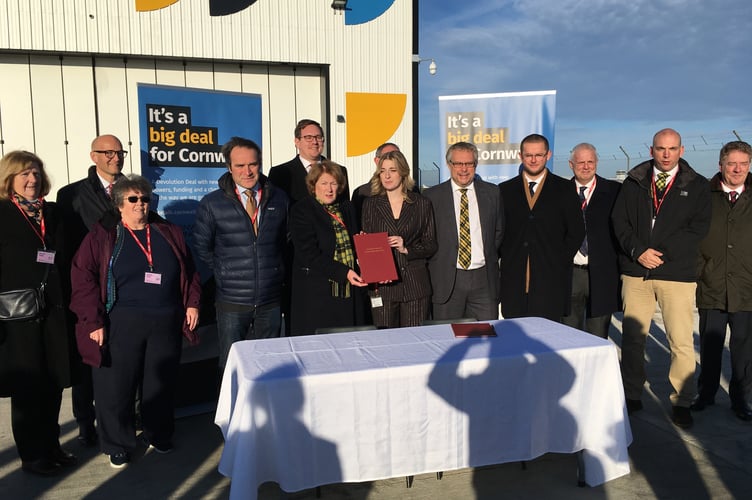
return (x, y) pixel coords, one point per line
(363, 11)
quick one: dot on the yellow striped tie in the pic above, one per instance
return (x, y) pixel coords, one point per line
(465, 248)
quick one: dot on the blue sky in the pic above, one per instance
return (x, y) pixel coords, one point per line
(622, 69)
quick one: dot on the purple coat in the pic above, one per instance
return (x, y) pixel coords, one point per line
(89, 282)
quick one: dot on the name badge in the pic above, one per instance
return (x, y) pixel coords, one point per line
(46, 256)
(376, 301)
(153, 278)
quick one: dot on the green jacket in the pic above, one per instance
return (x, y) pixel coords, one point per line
(725, 262)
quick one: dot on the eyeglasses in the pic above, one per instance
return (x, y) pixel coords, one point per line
(110, 153)
(537, 156)
(458, 164)
(134, 199)
(311, 138)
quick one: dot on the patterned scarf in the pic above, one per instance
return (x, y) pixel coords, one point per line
(33, 209)
(343, 250)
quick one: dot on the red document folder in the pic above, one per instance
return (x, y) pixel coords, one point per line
(375, 257)
(465, 330)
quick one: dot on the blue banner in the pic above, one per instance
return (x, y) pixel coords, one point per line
(496, 124)
(182, 132)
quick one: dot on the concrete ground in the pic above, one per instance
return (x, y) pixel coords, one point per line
(713, 459)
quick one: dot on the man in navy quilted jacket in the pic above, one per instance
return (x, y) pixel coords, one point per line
(241, 232)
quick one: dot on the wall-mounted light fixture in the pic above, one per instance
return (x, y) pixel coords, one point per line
(339, 5)
(431, 67)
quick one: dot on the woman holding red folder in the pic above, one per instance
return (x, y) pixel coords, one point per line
(408, 219)
(325, 284)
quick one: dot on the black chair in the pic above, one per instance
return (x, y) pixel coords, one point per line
(427, 322)
(345, 329)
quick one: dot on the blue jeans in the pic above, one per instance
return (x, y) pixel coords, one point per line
(260, 323)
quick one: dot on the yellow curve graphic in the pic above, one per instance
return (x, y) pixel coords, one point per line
(147, 5)
(372, 119)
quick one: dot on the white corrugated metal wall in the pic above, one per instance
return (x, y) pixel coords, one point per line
(53, 91)
(56, 104)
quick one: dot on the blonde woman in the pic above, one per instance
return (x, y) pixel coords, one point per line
(407, 217)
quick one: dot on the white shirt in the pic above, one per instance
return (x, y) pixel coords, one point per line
(477, 259)
(106, 183)
(727, 189)
(306, 163)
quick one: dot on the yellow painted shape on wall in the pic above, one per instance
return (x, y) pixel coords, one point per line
(372, 119)
(147, 5)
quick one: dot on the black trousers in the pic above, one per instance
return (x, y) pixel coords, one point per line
(713, 323)
(578, 315)
(144, 348)
(82, 399)
(34, 397)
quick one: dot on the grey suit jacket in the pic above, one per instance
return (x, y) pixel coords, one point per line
(443, 265)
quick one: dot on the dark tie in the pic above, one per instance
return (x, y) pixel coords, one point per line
(531, 187)
(463, 257)
(583, 204)
(660, 183)
(733, 195)
(250, 207)
(108, 189)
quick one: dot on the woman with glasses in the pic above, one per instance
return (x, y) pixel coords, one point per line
(407, 218)
(135, 289)
(325, 285)
(35, 354)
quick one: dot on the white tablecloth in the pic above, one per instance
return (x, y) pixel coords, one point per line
(322, 409)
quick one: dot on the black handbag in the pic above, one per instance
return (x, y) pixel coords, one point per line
(24, 304)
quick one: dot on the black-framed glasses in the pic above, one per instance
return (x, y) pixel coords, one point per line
(109, 153)
(134, 199)
(311, 138)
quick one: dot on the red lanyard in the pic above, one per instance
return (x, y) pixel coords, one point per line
(147, 249)
(256, 212)
(589, 195)
(657, 204)
(335, 217)
(41, 221)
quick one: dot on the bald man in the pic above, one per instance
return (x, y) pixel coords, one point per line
(83, 203)
(660, 217)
